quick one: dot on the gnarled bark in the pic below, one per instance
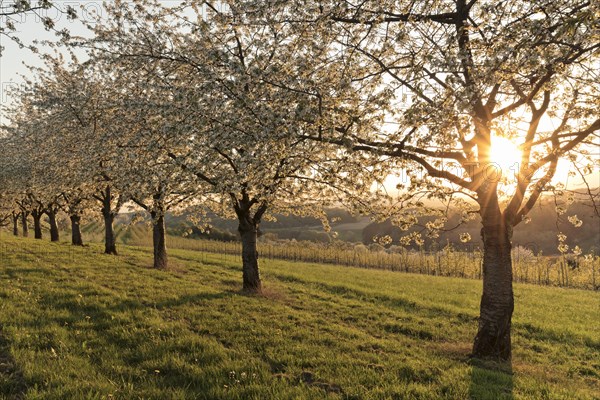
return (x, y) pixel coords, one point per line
(493, 338)
(110, 245)
(248, 229)
(76, 238)
(15, 218)
(54, 234)
(24, 224)
(159, 241)
(37, 223)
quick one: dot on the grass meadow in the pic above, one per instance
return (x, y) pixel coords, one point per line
(447, 261)
(78, 324)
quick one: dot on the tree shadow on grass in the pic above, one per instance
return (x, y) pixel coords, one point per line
(127, 338)
(490, 380)
(12, 382)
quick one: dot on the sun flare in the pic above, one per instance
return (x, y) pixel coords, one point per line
(505, 154)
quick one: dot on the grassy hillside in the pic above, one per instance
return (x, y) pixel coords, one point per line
(76, 324)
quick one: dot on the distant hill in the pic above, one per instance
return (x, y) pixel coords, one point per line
(538, 235)
(347, 227)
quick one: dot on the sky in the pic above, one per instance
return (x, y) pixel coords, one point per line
(30, 28)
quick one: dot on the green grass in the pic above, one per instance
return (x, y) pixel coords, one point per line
(77, 324)
(542, 270)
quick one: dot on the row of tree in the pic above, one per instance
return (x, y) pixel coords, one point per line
(246, 108)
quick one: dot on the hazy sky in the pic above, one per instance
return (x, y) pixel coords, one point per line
(30, 29)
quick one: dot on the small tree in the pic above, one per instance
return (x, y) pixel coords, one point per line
(72, 140)
(230, 113)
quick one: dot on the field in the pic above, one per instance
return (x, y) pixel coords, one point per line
(77, 324)
(447, 261)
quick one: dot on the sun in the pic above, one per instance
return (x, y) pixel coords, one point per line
(506, 155)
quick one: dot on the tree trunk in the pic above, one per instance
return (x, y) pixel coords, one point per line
(497, 302)
(37, 224)
(159, 242)
(76, 238)
(110, 246)
(54, 234)
(16, 224)
(24, 224)
(249, 233)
